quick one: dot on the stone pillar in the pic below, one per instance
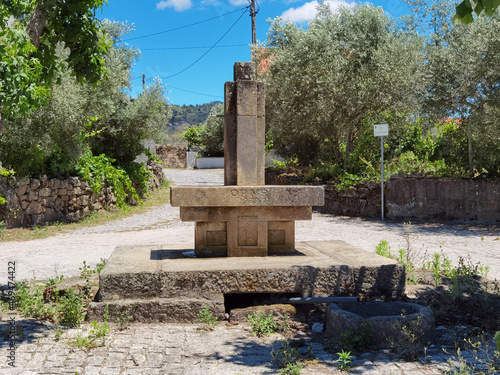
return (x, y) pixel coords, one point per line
(245, 217)
(244, 127)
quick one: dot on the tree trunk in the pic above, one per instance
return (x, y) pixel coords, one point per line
(471, 162)
(347, 148)
(37, 21)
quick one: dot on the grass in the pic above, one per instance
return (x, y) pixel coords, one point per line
(158, 197)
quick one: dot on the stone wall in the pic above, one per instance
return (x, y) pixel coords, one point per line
(172, 156)
(443, 199)
(408, 198)
(36, 201)
(362, 200)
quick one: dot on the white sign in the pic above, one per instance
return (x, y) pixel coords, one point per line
(381, 130)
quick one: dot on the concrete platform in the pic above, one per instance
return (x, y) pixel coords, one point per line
(167, 283)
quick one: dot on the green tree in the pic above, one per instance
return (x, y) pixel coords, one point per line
(208, 137)
(212, 132)
(54, 137)
(462, 81)
(30, 32)
(324, 82)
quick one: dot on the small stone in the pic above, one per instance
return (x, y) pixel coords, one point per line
(34, 208)
(45, 192)
(34, 184)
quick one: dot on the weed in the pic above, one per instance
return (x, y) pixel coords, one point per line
(86, 271)
(463, 278)
(58, 333)
(286, 358)
(99, 266)
(207, 318)
(355, 338)
(96, 336)
(480, 359)
(410, 341)
(291, 369)
(84, 342)
(54, 280)
(262, 324)
(124, 317)
(383, 249)
(30, 303)
(70, 308)
(344, 361)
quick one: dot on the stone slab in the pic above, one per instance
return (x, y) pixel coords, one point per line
(246, 196)
(318, 269)
(275, 213)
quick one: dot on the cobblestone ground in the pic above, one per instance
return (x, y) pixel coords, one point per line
(181, 349)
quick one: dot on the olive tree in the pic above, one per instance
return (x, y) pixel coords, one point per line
(461, 80)
(324, 82)
(102, 117)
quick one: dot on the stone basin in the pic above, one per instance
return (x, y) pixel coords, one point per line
(386, 322)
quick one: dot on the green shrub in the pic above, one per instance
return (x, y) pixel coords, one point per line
(99, 170)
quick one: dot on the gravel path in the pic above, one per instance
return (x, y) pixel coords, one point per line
(65, 252)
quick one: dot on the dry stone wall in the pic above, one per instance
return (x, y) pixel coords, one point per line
(415, 198)
(443, 199)
(37, 201)
(172, 156)
(361, 200)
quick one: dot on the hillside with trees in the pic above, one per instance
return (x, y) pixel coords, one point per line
(187, 116)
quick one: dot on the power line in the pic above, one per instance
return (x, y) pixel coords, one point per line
(211, 48)
(176, 48)
(194, 92)
(183, 27)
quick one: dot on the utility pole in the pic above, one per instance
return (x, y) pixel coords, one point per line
(252, 14)
(143, 82)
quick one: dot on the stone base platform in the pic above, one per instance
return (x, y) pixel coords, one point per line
(166, 283)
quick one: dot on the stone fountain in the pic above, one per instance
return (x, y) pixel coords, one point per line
(244, 238)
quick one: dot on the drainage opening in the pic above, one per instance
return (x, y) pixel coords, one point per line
(242, 300)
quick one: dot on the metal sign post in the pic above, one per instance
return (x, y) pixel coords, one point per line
(381, 130)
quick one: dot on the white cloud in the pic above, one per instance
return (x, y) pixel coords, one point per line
(178, 5)
(308, 11)
(237, 3)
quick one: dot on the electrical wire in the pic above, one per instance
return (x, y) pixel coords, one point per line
(211, 48)
(183, 27)
(175, 48)
(194, 92)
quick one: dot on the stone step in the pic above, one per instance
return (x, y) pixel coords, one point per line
(168, 277)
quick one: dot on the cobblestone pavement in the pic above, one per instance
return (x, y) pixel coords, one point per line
(182, 349)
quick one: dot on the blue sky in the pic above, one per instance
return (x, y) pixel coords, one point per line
(180, 53)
